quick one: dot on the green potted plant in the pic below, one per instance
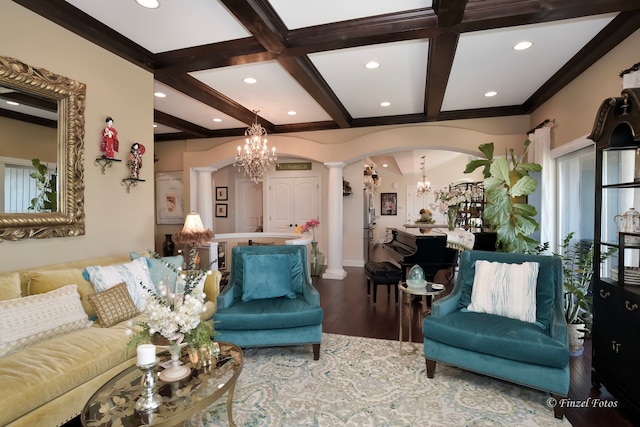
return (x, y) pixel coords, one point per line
(47, 198)
(577, 269)
(507, 183)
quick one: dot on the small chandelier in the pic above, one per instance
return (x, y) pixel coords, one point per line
(256, 157)
(424, 185)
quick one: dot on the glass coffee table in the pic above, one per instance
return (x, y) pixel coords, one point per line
(431, 290)
(114, 403)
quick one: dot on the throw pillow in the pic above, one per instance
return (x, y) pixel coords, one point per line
(27, 320)
(505, 289)
(266, 276)
(113, 305)
(158, 271)
(135, 274)
(42, 281)
(10, 286)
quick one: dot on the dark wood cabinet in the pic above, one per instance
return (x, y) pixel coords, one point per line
(470, 215)
(616, 287)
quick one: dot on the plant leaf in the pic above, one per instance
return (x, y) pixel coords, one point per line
(500, 169)
(524, 186)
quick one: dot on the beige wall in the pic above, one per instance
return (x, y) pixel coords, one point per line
(574, 108)
(115, 221)
(26, 141)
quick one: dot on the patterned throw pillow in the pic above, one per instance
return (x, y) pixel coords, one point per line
(158, 271)
(27, 320)
(113, 305)
(505, 289)
(135, 274)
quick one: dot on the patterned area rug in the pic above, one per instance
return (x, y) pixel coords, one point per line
(364, 382)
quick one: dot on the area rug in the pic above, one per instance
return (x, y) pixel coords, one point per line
(365, 382)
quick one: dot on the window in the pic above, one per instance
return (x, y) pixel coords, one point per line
(18, 186)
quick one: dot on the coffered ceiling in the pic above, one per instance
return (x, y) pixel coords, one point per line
(437, 59)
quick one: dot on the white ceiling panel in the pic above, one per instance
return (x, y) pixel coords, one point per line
(485, 61)
(400, 79)
(299, 14)
(179, 105)
(174, 25)
(275, 92)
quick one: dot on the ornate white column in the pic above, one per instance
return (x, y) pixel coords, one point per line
(335, 210)
(203, 203)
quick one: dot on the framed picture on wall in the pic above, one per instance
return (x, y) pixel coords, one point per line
(221, 210)
(388, 203)
(222, 193)
(222, 255)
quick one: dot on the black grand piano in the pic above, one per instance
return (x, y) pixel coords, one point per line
(429, 251)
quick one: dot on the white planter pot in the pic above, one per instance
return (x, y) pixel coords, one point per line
(576, 339)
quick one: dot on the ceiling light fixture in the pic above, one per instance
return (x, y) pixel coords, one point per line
(160, 94)
(256, 158)
(217, 120)
(149, 4)
(385, 104)
(249, 80)
(522, 45)
(291, 113)
(371, 65)
(424, 185)
(12, 103)
(491, 93)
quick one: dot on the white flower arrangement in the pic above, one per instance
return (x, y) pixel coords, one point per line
(174, 315)
(451, 198)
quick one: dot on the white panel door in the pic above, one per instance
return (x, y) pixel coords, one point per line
(292, 201)
(249, 206)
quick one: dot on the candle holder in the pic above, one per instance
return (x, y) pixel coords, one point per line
(149, 400)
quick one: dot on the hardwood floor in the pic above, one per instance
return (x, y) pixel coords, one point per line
(349, 311)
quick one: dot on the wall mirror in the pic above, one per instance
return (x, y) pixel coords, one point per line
(54, 123)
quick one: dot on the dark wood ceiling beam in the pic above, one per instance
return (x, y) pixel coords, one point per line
(196, 89)
(259, 18)
(223, 54)
(621, 27)
(31, 101)
(442, 50)
(310, 79)
(481, 113)
(407, 25)
(179, 124)
(490, 14)
(27, 118)
(78, 22)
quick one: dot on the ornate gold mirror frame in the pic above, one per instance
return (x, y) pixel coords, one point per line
(70, 95)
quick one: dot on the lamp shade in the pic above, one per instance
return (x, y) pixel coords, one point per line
(193, 223)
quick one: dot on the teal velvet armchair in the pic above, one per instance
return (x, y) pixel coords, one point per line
(270, 300)
(533, 353)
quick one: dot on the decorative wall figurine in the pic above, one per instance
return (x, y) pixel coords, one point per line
(109, 144)
(134, 160)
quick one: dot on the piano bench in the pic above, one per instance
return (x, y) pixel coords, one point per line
(382, 273)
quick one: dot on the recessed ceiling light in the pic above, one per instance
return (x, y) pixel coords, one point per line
(249, 80)
(371, 65)
(522, 45)
(155, 125)
(384, 165)
(385, 104)
(491, 93)
(149, 4)
(217, 120)
(291, 113)
(12, 103)
(160, 94)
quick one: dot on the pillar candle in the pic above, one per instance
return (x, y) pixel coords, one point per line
(146, 354)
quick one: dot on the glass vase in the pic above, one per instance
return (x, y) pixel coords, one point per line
(176, 370)
(452, 213)
(317, 260)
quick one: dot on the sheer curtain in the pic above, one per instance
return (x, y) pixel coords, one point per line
(545, 199)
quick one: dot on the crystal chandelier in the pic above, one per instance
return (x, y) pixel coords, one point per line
(424, 186)
(256, 157)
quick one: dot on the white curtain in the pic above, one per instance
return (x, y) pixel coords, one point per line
(540, 152)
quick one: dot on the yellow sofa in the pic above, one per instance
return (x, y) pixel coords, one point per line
(49, 382)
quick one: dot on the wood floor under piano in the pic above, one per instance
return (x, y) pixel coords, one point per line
(349, 311)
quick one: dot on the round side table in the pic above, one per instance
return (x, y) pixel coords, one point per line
(430, 289)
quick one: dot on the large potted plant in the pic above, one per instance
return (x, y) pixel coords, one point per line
(577, 269)
(507, 183)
